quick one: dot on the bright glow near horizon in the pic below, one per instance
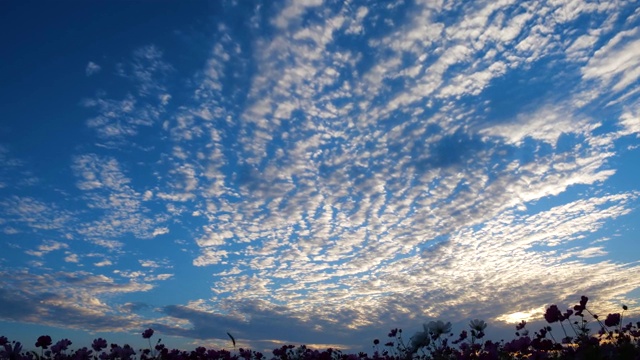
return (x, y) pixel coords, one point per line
(314, 171)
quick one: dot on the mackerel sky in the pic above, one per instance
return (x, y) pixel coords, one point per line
(313, 171)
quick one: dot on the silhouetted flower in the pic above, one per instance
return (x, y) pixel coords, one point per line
(462, 337)
(552, 314)
(13, 351)
(82, 354)
(542, 333)
(99, 344)
(437, 328)
(420, 339)
(616, 341)
(612, 319)
(477, 325)
(124, 353)
(518, 345)
(60, 346)
(582, 306)
(583, 301)
(44, 341)
(147, 333)
(567, 314)
(246, 354)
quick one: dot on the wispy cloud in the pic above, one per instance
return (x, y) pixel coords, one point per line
(46, 247)
(34, 213)
(617, 61)
(67, 299)
(92, 68)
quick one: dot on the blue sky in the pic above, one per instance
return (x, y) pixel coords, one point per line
(314, 171)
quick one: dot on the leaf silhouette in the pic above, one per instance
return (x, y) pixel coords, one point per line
(232, 340)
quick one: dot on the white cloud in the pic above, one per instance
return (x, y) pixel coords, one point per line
(294, 10)
(160, 231)
(210, 256)
(103, 263)
(164, 98)
(158, 277)
(355, 27)
(109, 244)
(92, 68)
(148, 263)
(48, 246)
(107, 187)
(10, 230)
(147, 195)
(546, 124)
(149, 69)
(617, 61)
(34, 213)
(581, 47)
(72, 258)
(630, 122)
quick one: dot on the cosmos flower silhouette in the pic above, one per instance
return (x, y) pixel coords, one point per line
(553, 314)
(44, 341)
(612, 320)
(477, 325)
(99, 344)
(147, 334)
(420, 339)
(437, 328)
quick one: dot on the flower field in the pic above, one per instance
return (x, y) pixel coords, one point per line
(575, 338)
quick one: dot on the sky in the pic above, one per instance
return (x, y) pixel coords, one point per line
(312, 171)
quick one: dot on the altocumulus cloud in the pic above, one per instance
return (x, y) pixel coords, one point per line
(332, 170)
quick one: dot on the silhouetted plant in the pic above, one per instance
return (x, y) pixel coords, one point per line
(612, 341)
